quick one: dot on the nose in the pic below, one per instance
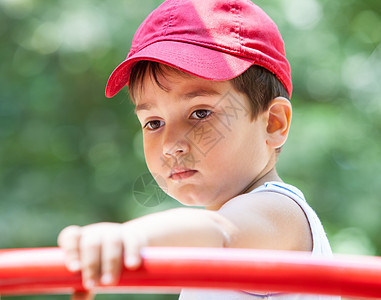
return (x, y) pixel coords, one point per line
(175, 143)
(178, 149)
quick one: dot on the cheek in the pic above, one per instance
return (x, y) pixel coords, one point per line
(149, 152)
(223, 156)
(239, 147)
(204, 137)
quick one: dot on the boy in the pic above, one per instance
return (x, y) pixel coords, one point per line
(211, 83)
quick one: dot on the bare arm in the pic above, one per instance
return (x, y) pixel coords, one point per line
(262, 220)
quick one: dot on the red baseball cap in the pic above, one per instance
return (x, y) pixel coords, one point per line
(212, 39)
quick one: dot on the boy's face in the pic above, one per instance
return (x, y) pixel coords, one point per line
(200, 141)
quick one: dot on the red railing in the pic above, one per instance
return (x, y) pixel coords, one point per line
(42, 271)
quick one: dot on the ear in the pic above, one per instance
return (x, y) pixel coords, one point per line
(278, 123)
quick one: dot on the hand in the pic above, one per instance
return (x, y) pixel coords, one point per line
(98, 251)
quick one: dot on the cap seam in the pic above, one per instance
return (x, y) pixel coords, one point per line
(170, 19)
(236, 11)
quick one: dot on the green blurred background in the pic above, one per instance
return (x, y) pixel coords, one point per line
(68, 155)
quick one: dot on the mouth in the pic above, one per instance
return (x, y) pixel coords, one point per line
(181, 174)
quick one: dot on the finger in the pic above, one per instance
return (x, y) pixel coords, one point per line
(132, 258)
(68, 240)
(82, 296)
(112, 252)
(90, 253)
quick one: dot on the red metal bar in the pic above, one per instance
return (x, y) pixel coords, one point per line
(42, 270)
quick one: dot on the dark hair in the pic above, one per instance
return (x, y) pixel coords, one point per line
(259, 84)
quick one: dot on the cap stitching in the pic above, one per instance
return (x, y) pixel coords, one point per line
(235, 9)
(171, 17)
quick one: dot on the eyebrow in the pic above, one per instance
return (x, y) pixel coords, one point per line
(187, 96)
(200, 92)
(143, 106)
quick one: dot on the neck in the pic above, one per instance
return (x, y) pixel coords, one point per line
(268, 174)
(271, 175)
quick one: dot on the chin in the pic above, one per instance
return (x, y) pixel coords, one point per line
(188, 199)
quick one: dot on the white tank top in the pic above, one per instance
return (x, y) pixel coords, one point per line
(321, 247)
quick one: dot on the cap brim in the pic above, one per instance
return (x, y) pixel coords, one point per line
(197, 60)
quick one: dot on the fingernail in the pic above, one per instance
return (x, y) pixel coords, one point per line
(89, 284)
(132, 262)
(106, 279)
(74, 266)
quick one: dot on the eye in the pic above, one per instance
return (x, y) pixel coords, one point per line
(153, 125)
(201, 114)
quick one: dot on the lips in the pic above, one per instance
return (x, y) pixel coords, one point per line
(181, 173)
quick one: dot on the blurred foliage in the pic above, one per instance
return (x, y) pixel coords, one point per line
(68, 155)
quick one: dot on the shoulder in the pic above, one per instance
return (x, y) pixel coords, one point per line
(265, 202)
(268, 220)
